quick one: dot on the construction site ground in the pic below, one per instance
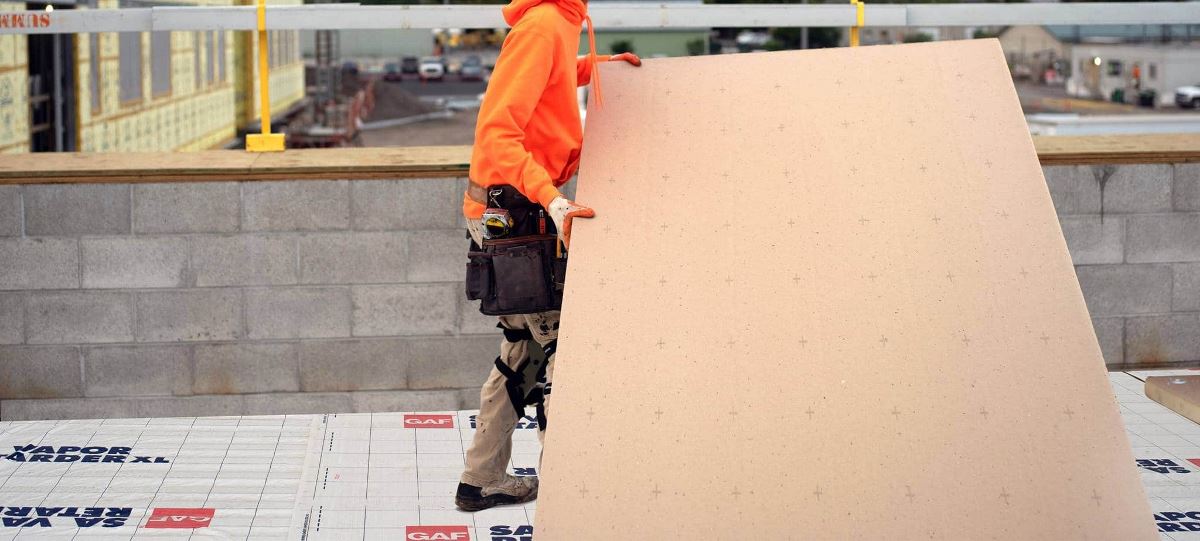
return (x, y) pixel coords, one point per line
(370, 476)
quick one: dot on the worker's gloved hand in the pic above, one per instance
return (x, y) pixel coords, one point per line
(475, 228)
(562, 211)
(627, 57)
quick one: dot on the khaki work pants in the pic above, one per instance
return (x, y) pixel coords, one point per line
(490, 451)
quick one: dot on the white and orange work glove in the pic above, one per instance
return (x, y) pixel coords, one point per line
(562, 212)
(626, 57)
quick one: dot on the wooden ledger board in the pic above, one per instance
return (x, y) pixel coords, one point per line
(818, 301)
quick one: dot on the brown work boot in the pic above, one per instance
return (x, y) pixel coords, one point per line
(509, 490)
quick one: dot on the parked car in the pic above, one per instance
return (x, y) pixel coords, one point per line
(471, 69)
(1188, 96)
(391, 72)
(433, 68)
(409, 65)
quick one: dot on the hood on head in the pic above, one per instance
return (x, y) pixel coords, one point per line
(575, 10)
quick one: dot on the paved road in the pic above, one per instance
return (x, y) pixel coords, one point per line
(451, 86)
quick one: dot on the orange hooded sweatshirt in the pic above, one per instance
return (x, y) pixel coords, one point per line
(528, 133)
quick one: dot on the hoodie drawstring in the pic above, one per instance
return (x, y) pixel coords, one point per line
(592, 59)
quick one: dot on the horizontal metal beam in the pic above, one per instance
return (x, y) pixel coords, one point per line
(667, 16)
(1047, 13)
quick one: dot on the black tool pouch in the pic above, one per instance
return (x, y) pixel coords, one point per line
(521, 275)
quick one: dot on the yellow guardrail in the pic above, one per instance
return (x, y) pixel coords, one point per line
(265, 141)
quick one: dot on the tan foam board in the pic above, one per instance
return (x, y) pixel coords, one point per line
(1180, 394)
(826, 296)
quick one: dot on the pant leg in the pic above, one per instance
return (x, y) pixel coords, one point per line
(487, 458)
(544, 328)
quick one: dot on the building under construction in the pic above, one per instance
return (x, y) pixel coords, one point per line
(137, 91)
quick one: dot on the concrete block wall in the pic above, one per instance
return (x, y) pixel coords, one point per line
(337, 296)
(1134, 235)
(121, 300)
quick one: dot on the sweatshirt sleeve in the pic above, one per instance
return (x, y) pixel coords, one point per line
(583, 68)
(517, 84)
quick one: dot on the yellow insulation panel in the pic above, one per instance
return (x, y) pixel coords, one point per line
(14, 99)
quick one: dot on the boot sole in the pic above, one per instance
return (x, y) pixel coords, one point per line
(488, 502)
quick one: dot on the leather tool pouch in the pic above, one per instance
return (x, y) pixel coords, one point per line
(516, 276)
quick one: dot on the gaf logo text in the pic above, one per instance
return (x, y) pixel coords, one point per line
(180, 517)
(428, 421)
(436, 533)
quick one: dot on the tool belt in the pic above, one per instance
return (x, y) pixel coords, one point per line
(518, 270)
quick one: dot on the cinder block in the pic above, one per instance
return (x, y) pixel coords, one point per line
(1136, 188)
(470, 321)
(247, 260)
(373, 401)
(1114, 290)
(297, 403)
(308, 205)
(190, 406)
(450, 363)
(68, 408)
(12, 318)
(1110, 331)
(77, 209)
(433, 203)
(437, 256)
(191, 207)
(39, 263)
(246, 368)
(1073, 188)
(1159, 339)
(122, 371)
(1094, 239)
(134, 262)
(349, 258)
(39, 372)
(1163, 238)
(1187, 186)
(468, 398)
(1187, 287)
(354, 365)
(303, 312)
(404, 310)
(197, 314)
(79, 317)
(460, 187)
(10, 211)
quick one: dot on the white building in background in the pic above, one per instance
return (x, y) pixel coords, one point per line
(1099, 69)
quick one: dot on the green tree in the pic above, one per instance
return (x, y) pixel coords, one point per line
(695, 47)
(818, 38)
(622, 46)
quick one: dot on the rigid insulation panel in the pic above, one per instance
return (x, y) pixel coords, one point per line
(826, 296)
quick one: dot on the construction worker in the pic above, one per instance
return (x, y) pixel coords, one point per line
(527, 141)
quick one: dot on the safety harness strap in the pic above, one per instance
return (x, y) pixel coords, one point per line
(515, 385)
(543, 387)
(513, 380)
(515, 335)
